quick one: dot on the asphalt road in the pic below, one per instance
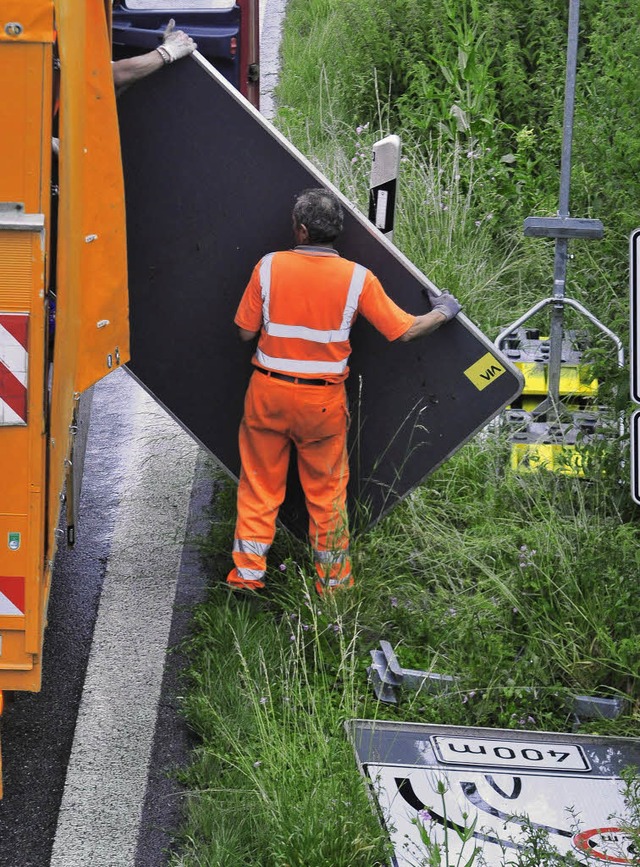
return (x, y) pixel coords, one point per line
(113, 778)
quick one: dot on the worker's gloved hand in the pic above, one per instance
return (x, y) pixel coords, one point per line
(177, 43)
(447, 305)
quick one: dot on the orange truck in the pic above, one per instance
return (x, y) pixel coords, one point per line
(63, 280)
(55, 69)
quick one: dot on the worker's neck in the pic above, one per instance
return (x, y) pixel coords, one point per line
(316, 249)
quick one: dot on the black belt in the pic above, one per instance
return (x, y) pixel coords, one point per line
(299, 380)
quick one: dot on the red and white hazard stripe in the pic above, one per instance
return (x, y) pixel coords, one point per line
(12, 597)
(14, 363)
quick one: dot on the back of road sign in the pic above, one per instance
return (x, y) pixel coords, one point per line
(209, 189)
(634, 342)
(634, 293)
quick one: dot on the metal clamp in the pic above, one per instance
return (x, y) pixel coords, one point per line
(388, 677)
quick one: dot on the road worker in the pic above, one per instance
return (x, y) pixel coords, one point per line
(302, 304)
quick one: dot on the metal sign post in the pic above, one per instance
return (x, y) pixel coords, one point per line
(562, 243)
(562, 227)
(550, 422)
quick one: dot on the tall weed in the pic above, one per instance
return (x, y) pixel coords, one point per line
(273, 781)
(489, 76)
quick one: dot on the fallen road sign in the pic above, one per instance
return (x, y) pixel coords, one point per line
(210, 185)
(491, 789)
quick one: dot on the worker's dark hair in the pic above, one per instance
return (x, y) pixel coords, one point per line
(320, 211)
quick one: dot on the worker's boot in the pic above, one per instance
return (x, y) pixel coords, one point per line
(333, 570)
(237, 582)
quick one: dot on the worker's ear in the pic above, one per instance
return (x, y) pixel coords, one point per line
(302, 234)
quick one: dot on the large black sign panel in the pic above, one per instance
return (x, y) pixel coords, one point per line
(210, 185)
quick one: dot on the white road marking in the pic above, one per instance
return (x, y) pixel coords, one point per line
(107, 772)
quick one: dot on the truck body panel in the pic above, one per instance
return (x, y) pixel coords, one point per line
(62, 242)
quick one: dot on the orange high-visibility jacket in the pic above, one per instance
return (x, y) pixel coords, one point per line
(304, 302)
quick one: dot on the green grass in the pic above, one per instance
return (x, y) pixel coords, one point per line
(274, 773)
(523, 587)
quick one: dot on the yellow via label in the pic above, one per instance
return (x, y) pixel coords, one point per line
(485, 371)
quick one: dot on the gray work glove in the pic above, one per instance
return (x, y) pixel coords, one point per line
(176, 43)
(447, 305)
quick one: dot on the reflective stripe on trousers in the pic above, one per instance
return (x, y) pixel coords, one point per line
(333, 566)
(250, 558)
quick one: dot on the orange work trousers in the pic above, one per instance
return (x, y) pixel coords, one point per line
(314, 418)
